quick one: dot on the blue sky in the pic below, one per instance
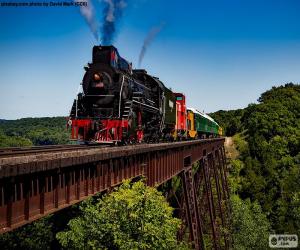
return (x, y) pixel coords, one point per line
(221, 54)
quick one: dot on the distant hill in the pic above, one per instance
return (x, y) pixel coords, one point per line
(33, 131)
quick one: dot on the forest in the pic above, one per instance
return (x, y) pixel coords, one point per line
(264, 178)
(267, 169)
(33, 131)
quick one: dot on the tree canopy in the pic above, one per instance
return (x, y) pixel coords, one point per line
(33, 131)
(34, 236)
(230, 120)
(133, 217)
(269, 162)
(251, 228)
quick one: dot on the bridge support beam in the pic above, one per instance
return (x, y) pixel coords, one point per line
(190, 198)
(211, 199)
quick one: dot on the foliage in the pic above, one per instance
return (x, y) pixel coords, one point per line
(251, 228)
(235, 180)
(36, 131)
(13, 141)
(230, 120)
(268, 168)
(133, 217)
(272, 173)
(40, 233)
(241, 143)
(37, 235)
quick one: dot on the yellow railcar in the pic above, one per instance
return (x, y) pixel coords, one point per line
(192, 133)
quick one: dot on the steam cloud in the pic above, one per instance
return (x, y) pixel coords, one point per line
(89, 15)
(148, 40)
(112, 13)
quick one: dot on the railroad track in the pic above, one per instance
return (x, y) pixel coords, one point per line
(19, 151)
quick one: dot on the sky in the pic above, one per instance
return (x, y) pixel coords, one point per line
(220, 54)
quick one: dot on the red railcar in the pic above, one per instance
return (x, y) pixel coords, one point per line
(181, 126)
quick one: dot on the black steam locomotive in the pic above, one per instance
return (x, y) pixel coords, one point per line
(119, 104)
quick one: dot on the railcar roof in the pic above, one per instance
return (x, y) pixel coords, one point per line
(202, 114)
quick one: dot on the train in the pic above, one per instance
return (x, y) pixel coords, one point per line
(121, 105)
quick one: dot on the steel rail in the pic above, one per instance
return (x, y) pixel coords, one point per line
(17, 151)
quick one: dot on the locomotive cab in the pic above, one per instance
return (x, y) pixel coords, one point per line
(109, 55)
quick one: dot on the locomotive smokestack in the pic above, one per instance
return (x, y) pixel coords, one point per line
(148, 40)
(89, 15)
(112, 13)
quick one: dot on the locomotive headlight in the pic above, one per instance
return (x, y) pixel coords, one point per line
(98, 77)
(100, 80)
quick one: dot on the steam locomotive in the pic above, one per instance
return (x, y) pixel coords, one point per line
(122, 105)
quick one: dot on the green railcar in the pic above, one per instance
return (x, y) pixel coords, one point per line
(204, 124)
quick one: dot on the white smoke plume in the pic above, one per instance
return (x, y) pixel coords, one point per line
(112, 12)
(88, 13)
(148, 40)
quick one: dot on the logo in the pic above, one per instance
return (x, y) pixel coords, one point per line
(283, 241)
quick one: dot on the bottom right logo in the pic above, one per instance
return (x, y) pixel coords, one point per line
(283, 241)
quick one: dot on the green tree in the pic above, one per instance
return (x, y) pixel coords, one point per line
(268, 167)
(37, 131)
(271, 174)
(35, 236)
(13, 141)
(133, 217)
(230, 120)
(250, 227)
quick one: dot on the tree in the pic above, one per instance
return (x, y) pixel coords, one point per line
(37, 131)
(13, 141)
(34, 236)
(230, 120)
(133, 217)
(250, 227)
(268, 167)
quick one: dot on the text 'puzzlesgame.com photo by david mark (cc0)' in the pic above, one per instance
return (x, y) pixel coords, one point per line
(44, 4)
